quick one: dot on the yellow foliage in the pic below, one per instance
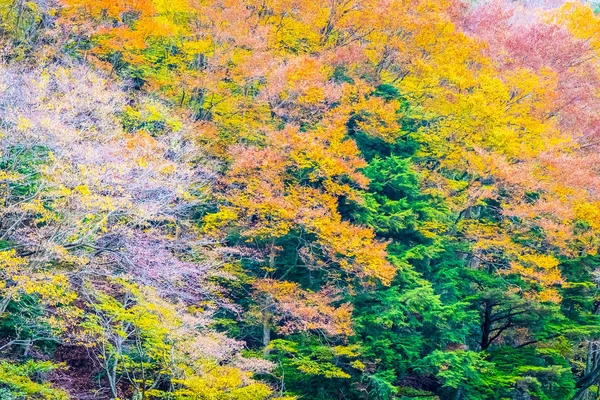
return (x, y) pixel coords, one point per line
(9, 260)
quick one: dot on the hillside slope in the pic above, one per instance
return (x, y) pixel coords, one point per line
(264, 199)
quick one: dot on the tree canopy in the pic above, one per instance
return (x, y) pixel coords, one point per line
(267, 199)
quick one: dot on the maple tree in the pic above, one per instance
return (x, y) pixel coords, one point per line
(270, 199)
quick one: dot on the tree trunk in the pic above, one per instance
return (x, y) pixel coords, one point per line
(586, 382)
(486, 326)
(459, 393)
(266, 329)
(266, 313)
(580, 394)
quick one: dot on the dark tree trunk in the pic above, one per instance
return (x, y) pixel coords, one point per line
(486, 326)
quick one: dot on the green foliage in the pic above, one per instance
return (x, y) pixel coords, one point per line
(22, 22)
(321, 200)
(25, 164)
(151, 118)
(21, 381)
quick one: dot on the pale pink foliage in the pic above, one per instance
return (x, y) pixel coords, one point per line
(116, 201)
(517, 36)
(111, 202)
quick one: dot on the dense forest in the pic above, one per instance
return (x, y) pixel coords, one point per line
(299, 199)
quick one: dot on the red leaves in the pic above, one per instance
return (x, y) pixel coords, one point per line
(297, 310)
